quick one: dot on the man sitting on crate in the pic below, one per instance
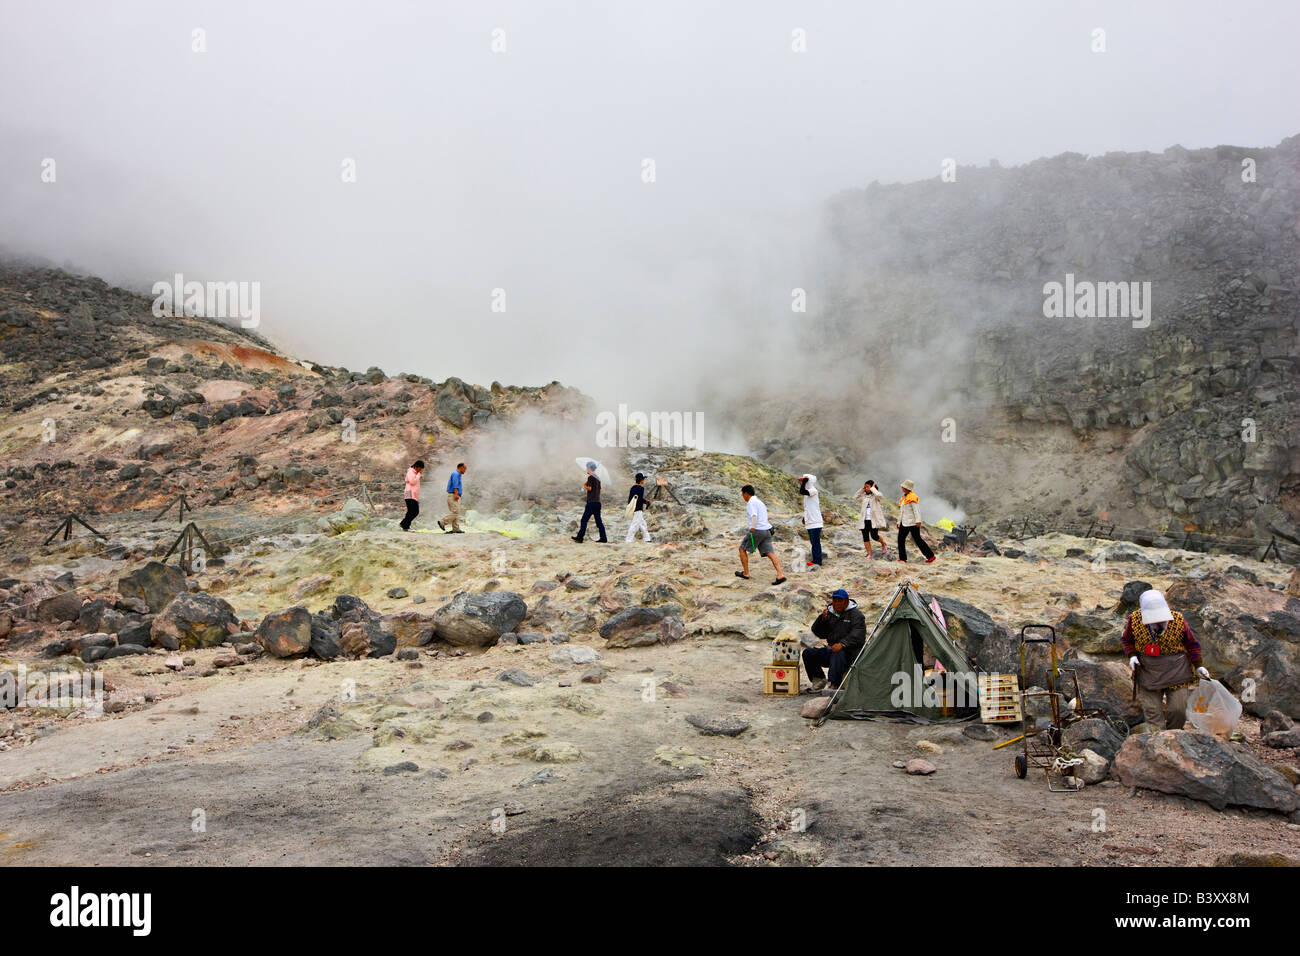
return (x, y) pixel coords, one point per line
(844, 629)
(1162, 650)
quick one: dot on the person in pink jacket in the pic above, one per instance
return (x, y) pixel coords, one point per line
(412, 494)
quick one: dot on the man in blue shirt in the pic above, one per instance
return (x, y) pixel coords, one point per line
(454, 491)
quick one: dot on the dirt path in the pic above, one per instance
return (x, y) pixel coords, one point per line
(297, 798)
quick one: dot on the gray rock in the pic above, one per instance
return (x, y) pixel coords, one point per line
(478, 620)
(123, 650)
(451, 408)
(1204, 768)
(980, 732)
(194, 620)
(155, 584)
(325, 635)
(575, 655)
(1128, 598)
(397, 593)
(1094, 769)
(718, 726)
(643, 626)
(1274, 721)
(406, 766)
(967, 624)
(60, 607)
(1284, 738)
(1095, 735)
(517, 677)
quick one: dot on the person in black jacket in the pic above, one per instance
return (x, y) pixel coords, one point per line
(637, 492)
(844, 629)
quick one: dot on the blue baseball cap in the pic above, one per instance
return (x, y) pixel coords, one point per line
(841, 593)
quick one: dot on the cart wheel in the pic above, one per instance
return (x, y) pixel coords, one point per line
(1022, 766)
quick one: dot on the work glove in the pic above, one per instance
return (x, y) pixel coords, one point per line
(1203, 672)
(1133, 663)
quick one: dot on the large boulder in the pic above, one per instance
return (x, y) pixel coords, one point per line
(1104, 684)
(479, 620)
(1092, 633)
(155, 584)
(60, 607)
(1202, 767)
(352, 516)
(643, 626)
(1130, 596)
(452, 408)
(194, 620)
(139, 632)
(325, 636)
(285, 633)
(999, 653)
(1093, 734)
(1270, 680)
(98, 617)
(358, 639)
(357, 631)
(409, 628)
(967, 625)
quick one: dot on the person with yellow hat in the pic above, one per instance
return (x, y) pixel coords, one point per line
(909, 522)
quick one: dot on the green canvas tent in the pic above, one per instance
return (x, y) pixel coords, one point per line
(886, 680)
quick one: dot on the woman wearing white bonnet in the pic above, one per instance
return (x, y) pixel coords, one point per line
(1162, 652)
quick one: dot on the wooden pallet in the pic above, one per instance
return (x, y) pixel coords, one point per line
(999, 698)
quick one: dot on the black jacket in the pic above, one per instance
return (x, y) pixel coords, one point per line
(849, 628)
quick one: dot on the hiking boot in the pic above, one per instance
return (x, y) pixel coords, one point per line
(576, 538)
(817, 686)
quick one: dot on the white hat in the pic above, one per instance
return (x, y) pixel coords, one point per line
(1154, 607)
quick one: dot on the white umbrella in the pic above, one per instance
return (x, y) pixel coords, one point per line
(601, 471)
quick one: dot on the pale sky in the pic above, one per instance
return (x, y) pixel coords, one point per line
(522, 170)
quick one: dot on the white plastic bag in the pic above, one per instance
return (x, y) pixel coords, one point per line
(1212, 709)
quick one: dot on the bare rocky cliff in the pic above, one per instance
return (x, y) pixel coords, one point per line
(933, 358)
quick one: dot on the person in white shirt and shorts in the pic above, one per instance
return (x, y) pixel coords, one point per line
(758, 537)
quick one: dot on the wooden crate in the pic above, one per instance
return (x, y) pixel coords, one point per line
(999, 698)
(781, 679)
(786, 651)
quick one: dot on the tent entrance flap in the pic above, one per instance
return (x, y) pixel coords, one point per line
(888, 673)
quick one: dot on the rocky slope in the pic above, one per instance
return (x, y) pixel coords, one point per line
(323, 687)
(933, 302)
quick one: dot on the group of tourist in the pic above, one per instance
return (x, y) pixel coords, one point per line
(871, 515)
(455, 488)
(758, 535)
